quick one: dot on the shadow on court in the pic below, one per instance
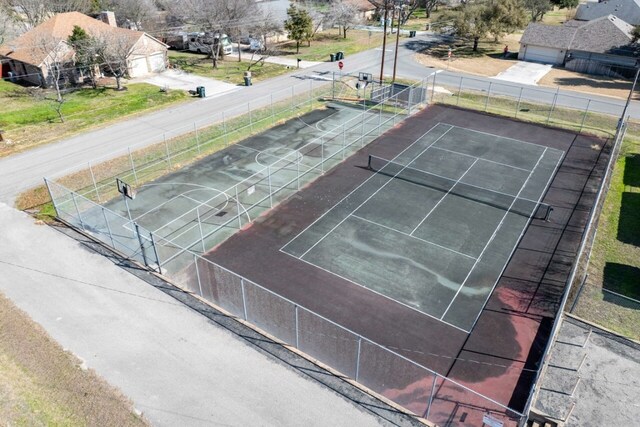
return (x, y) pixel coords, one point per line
(434, 258)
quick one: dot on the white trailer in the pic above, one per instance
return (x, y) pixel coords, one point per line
(202, 42)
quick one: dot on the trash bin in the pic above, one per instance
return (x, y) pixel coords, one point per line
(247, 78)
(340, 56)
(201, 92)
(332, 57)
(412, 33)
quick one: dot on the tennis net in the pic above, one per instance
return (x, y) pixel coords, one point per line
(494, 198)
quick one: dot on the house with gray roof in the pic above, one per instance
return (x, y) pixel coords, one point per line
(599, 46)
(629, 10)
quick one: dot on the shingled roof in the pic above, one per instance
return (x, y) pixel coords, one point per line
(59, 27)
(598, 35)
(629, 10)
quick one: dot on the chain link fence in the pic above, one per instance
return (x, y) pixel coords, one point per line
(79, 198)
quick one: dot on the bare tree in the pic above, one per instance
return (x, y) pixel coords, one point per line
(57, 61)
(114, 49)
(344, 15)
(31, 13)
(137, 14)
(320, 13)
(265, 26)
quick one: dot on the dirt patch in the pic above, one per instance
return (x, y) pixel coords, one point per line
(42, 384)
(600, 85)
(481, 66)
(486, 61)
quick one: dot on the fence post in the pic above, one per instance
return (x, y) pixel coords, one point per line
(433, 389)
(518, 104)
(104, 214)
(410, 98)
(224, 130)
(321, 155)
(486, 102)
(93, 178)
(298, 156)
(250, 118)
(142, 250)
(459, 92)
(195, 127)
(133, 166)
(333, 85)
(75, 203)
(379, 120)
(166, 146)
(195, 262)
(297, 333)
(269, 178)
(310, 95)
(358, 358)
(200, 227)
(553, 105)
(292, 98)
(244, 300)
(363, 120)
(344, 140)
(584, 117)
(238, 205)
(273, 116)
(155, 252)
(433, 90)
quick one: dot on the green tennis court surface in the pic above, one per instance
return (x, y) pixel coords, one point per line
(434, 227)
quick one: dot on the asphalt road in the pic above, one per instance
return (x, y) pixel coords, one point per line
(178, 367)
(24, 170)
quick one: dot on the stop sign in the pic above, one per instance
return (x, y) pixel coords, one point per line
(340, 64)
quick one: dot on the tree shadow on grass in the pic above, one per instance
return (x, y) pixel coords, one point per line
(629, 222)
(624, 280)
(595, 82)
(632, 170)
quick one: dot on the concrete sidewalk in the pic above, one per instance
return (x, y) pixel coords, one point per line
(177, 366)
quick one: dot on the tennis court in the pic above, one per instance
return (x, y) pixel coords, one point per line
(434, 227)
(434, 242)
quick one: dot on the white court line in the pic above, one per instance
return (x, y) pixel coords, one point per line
(358, 187)
(495, 233)
(465, 183)
(374, 291)
(485, 160)
(504, 137)
(413, 237)
(374, 193)
(443, 197)
(226, 202)
(542, 194)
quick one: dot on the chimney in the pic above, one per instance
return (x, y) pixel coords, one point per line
(108, 18)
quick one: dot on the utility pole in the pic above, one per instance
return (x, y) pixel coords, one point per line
(384, 41)
(626, 105)
(395, 55)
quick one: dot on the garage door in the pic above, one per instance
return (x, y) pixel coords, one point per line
(156, 62)
(547, 55)
(138, 67)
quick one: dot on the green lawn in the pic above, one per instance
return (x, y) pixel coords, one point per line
(29, 119)
(615, 259)
(331, 41)
(229, 70)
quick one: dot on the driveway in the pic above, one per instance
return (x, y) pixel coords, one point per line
(178, 79)
(524, 72)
